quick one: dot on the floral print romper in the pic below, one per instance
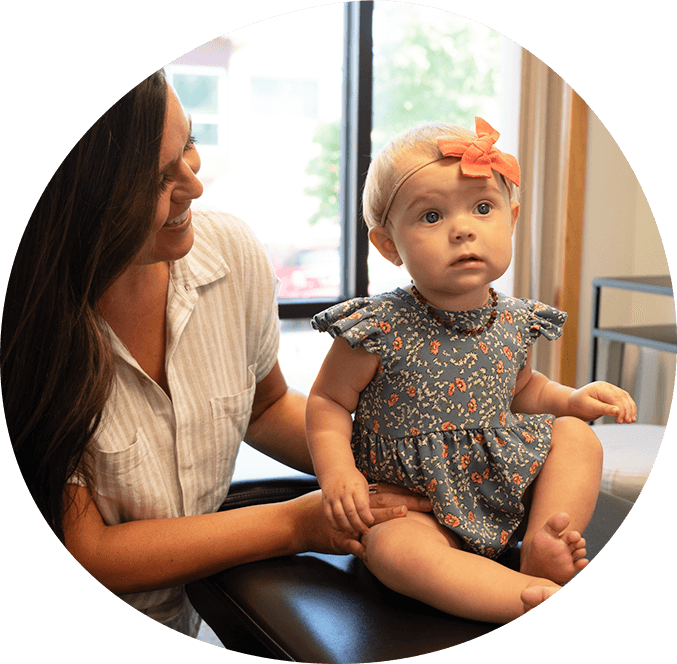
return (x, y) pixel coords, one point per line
(437, 417)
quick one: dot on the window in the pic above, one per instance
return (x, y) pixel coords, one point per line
(285, 97)
(273, 123)
(201, 90)
(432, 65)
(310, 95)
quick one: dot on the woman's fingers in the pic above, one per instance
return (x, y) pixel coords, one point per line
(384, 495)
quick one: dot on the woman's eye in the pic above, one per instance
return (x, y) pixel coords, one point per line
(190, 145)
(165, 181)
(483, 208)
(432, 217)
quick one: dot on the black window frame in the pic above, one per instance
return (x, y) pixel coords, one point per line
(356, 124)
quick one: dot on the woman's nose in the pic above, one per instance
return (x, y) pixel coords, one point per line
(191, 187)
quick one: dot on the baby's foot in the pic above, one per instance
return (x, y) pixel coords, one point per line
(532, 596)
(554, 553)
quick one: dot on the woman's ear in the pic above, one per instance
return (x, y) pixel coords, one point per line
(381, 239)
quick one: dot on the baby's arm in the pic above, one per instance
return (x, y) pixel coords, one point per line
(345, 372)
(535, 393)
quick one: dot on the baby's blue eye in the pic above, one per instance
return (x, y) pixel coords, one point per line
(483, 208)
(432, 217)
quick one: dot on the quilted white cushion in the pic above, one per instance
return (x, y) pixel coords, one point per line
(629, 454)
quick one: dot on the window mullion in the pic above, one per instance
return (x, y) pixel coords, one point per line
(355, 145)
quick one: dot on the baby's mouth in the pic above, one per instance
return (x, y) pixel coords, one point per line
(467, 260)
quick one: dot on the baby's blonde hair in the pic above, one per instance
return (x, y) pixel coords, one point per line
(403, 155)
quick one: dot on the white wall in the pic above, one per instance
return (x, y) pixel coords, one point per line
(620, 239)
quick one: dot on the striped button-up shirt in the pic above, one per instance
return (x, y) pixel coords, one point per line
(155, 457)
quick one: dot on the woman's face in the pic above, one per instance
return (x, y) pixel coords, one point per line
(172, 235)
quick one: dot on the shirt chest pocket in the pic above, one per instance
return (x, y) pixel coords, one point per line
(231, 413)
(132, 483)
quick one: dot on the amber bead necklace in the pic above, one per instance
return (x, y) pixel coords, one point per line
(468, 333)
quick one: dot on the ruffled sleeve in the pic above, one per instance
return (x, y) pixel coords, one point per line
(359, 321)
(543, 320)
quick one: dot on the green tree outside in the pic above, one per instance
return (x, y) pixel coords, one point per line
(428, 73)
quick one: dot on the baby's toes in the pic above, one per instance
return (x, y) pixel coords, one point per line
(573, 538)
(580, 563)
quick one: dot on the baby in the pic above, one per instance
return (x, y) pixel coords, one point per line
(445, 399)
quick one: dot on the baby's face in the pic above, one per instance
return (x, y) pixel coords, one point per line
(453, 233)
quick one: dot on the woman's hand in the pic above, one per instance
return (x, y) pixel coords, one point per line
(599, 399)
(383, 495)
(317, 534)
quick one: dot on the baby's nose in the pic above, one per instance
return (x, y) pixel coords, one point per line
(462, 230)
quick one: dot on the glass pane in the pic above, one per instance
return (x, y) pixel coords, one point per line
(199, 94)
(295, 98)
(277, 128)
(432, 65)
(206, 134)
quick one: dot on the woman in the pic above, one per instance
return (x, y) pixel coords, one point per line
(139, 347)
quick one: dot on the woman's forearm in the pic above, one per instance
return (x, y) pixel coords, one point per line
(156, 554)
(159, 553)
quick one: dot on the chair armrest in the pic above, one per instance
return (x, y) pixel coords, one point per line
(272, 490)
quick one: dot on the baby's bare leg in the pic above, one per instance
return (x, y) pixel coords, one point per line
(419, 558)
(564, 497)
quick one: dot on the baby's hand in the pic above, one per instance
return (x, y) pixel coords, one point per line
(346, 502)
(598, 399)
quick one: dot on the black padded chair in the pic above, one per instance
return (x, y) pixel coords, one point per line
(324, 608)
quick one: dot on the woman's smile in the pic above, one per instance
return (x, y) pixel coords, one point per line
(178, 221)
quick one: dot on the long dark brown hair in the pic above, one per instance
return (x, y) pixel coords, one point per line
(87, 227)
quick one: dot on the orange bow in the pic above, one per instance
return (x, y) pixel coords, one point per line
(479, 157)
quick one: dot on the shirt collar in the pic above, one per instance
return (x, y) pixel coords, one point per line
(203, 264)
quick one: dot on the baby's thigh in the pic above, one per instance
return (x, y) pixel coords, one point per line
(416, 529)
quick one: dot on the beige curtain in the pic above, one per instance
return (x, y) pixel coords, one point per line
(545, 121)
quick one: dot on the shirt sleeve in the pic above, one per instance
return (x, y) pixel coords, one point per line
(256, 284)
